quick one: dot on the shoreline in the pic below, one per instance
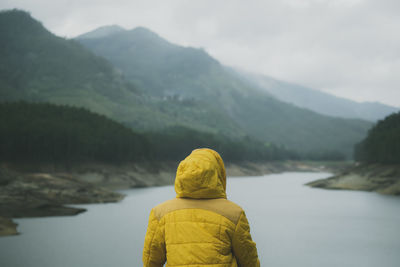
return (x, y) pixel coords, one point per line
(379, 178)
(41, 191)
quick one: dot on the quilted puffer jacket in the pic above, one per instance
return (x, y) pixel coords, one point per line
(200, 227)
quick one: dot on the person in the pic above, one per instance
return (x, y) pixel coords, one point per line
(199, 227)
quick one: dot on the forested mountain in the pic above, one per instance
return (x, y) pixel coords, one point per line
(318, 101)
(382, 144)
(39, 66)
(153, 85)
(159, 67)
(169, 71)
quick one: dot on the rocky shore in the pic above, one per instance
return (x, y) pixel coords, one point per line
(384, 179)
(44, 194)
(44, 190)
(7, 227)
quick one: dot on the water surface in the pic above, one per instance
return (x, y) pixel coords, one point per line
(292, 224)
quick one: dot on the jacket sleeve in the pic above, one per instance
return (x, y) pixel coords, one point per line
(244, 249)
(154, 254)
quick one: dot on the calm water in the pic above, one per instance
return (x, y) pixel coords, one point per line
(293, 225)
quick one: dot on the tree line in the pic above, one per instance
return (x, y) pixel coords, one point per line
(43, 132)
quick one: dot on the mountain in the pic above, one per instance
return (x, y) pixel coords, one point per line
(41, 67)
(168, 71)
(162, 68)
(318, 101)
(149, 84)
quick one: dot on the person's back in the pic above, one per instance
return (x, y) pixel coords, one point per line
(200, 227)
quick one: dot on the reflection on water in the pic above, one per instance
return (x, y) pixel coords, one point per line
(293, 225)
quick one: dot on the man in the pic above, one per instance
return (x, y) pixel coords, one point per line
(200, 227)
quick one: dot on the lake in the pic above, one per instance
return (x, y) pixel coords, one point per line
(292, 224)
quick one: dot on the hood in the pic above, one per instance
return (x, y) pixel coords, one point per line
(201, 175)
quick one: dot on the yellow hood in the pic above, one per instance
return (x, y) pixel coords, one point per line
(201, 175)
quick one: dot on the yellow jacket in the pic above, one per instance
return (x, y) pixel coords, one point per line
(200, 227)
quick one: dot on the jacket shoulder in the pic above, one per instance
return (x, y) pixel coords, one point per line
(221, 206)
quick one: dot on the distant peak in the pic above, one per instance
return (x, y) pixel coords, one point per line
(144, 31)
(115, 28)
(144, 34)
(102, 32)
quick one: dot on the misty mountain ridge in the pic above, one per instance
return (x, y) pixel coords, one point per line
(318, 101)
(298, 95)
(165, 70)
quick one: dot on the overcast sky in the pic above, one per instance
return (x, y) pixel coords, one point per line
(350, 48)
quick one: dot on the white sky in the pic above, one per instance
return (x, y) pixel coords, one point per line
(350, 48)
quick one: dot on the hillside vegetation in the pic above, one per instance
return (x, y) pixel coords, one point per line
(49, 133)
(382, 144)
